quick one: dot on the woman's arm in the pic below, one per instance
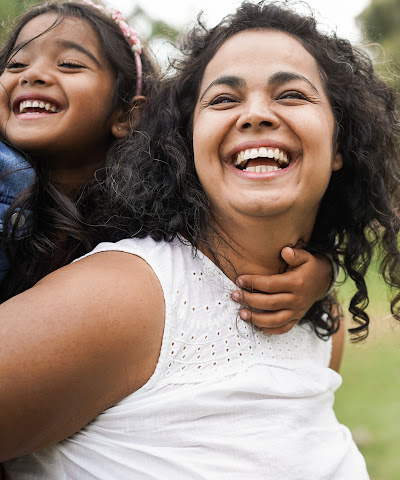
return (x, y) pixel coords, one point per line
(337, 340)
(79, 341)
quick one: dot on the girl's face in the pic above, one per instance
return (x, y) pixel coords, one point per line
(57, 92)
(263, 129)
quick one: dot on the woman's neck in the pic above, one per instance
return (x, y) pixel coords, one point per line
(254, 246)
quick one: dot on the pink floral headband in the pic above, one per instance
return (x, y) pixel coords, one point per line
(129, 34)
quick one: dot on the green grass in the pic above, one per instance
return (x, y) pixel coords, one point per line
(369, 400)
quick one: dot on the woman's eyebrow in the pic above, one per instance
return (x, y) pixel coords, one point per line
(67, 44)
(229, 80)
(280, 78)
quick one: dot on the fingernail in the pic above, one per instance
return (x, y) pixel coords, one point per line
(244, 315)
(235, 296)
(239, 282)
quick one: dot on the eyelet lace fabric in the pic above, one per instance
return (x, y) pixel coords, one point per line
(225, 400)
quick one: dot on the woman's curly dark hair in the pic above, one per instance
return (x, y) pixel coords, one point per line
(155, 191)
(64, 228)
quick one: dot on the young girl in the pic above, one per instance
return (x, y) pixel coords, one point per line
(141, 367)
(67, 103)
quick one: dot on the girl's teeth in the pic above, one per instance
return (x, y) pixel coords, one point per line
(36, 104)
(270, 153)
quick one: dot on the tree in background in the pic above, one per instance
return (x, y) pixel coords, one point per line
(380, 23)
(152, 29)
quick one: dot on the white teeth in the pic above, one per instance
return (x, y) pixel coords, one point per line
(36, 104)
(254, 153)
(261, 169)
(280, 156)
(240, 160)
(263, 152)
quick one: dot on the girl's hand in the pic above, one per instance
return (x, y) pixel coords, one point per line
(275, 303)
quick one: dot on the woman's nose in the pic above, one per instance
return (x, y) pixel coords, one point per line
(258, 115)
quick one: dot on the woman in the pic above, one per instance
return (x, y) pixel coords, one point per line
(143, 362)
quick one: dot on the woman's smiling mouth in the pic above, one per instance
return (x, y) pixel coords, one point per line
(261, 159)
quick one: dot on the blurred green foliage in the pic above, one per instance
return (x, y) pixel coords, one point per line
(10, 8)
(380, 23)
(368, 402)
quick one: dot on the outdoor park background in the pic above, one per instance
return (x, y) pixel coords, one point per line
(369, 400)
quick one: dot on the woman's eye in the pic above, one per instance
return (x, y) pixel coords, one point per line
(223, 99)
(15, 65)
(293, 94)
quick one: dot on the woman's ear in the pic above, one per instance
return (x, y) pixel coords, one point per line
(337, 163)
(122, 122)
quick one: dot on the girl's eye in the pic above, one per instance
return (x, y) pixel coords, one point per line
(71, 64)
(13, 65)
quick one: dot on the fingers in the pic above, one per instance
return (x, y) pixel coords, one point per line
(274, 323)
(262, 301)
(280, 283)
(295, 257)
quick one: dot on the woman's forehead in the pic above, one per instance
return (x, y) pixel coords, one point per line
(262, 49)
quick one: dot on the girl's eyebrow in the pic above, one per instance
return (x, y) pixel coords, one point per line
(67, 44)
(277, 78)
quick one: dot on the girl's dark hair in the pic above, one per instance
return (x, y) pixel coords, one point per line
(64, 228)
(154, 186)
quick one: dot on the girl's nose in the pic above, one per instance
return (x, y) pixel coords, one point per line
(35, 76)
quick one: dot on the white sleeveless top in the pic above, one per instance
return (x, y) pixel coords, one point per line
(226, 401)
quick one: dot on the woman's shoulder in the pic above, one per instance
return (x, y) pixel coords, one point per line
(82, 339)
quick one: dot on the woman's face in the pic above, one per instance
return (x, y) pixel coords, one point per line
(263, 128)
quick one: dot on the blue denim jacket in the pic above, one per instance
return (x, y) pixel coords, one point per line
(11, 184)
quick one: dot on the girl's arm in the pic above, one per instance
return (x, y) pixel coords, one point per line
(282, 300)
(79, 341)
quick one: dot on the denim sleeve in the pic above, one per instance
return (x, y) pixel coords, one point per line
(15, 175)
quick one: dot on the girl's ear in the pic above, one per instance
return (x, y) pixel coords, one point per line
(137, 103)
(122, 122)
